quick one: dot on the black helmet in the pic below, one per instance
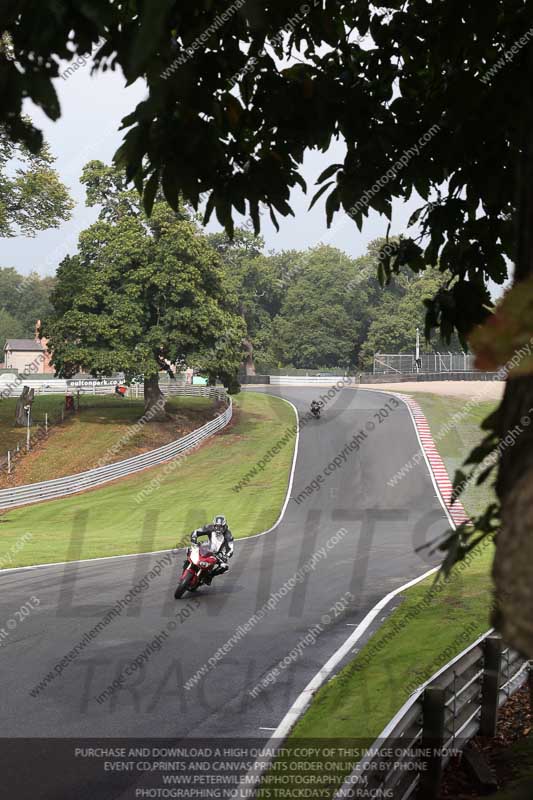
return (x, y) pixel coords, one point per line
(220, 523)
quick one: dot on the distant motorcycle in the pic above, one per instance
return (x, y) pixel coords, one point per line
(315, 411)
(201, 562)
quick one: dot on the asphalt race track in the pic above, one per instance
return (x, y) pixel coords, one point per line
(374, 555)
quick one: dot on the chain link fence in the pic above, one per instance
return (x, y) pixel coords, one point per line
(405, 363)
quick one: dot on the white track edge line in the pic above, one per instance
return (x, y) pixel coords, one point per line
(303, 700)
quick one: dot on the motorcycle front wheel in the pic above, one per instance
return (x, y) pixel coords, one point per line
(182, 586)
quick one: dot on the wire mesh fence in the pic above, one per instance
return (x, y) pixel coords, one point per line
(406, 363)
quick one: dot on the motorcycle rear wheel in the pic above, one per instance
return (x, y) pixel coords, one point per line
(182, 586)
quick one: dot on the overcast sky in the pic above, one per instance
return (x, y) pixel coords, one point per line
(92, 107)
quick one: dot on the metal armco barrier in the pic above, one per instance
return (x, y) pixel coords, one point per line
(457, 703)
(71, 484)
(251, 379)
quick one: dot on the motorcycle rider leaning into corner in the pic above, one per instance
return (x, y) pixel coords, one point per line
(220, 541)
(316, 405)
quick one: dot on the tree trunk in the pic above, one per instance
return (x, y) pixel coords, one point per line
(513, 562)
(249, 365)
(25, 399)
(154, 401)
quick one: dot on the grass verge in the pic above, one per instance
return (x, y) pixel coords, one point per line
(417, 639)
(117, 519)
(10, 434)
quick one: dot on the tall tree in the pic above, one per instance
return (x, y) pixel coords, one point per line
(142, 294)
(325, 312)
(34, 300)
(256, 282)
(11, 283)
(10, 328)
(32, 198)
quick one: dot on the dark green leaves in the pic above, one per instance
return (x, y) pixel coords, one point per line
(328, 172)
(152, 21)
(209, 208)
(43, 94)
(150, 191)
(333, 204)
(320, 192)
(170, 186)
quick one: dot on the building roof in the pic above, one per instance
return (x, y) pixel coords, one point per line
(24, 345)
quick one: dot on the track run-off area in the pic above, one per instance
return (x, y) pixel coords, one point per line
(205, 666)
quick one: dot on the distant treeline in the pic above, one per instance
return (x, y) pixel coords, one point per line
(309, 309)
(319, 308)
(24, 299)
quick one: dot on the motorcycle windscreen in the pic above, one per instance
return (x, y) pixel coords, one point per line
(205, 550)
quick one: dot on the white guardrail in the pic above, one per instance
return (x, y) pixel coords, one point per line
(294, 380)
(71, 484)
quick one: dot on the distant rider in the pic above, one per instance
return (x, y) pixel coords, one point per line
(220, 542)
(316, 405)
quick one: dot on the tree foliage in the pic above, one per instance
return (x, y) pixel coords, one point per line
(422, 99)
(256, 281)
(10, 328)
(142, 294)
(323, 320)
(319, 308)
(398, 314)
(32, 198)
(24, 299)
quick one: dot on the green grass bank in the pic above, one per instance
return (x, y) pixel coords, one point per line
(158, 507)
